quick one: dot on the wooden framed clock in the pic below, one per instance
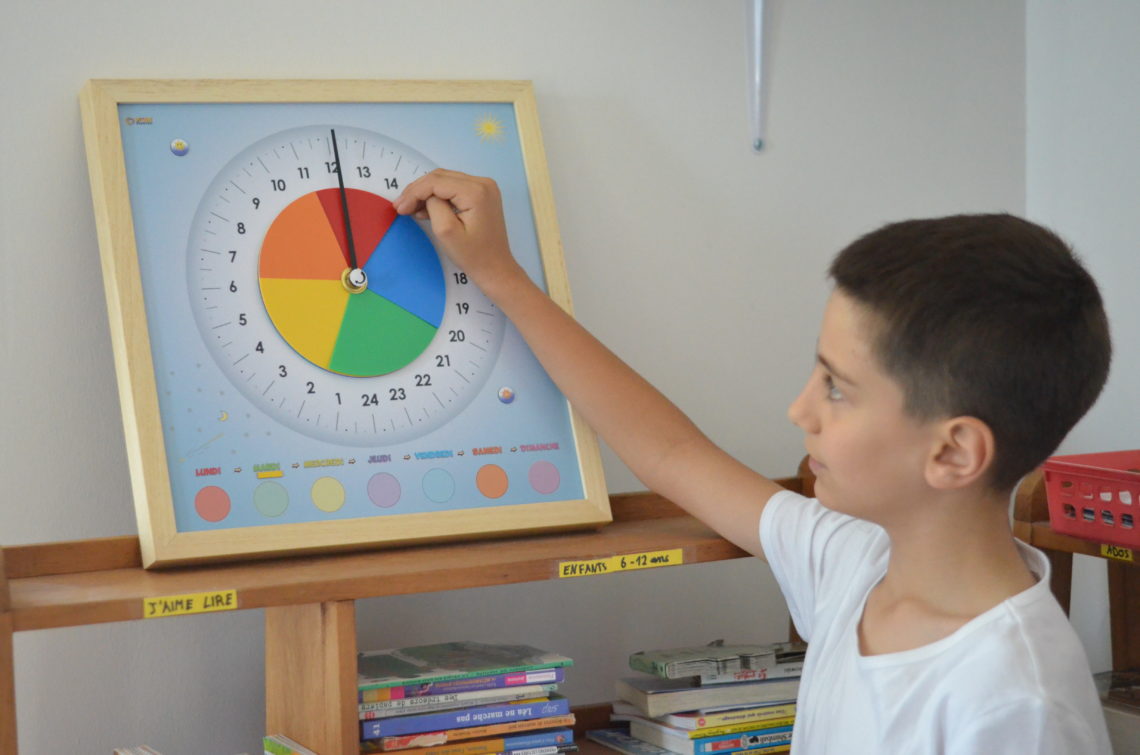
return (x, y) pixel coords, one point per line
(299, 369)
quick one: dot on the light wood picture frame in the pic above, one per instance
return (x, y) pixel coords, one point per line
(298, 369)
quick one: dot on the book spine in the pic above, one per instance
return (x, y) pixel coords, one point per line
(746, 741)
(275, 748)
(549, 750)
(639, 662)
(753, 726)
(661, 736)
(785, 747)
(385, 708)
(552, 738)
(365, 683)
(620, 740)
(777, 671)
(730, 717)
(272, 746)
(548, 675)
(432, 738)
(463, 717)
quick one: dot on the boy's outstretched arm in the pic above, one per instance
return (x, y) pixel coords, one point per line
(652, 436)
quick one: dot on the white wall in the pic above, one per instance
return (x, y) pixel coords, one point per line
(1083, 178)
(698, 261)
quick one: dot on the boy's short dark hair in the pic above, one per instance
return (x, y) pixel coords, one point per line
(989, 316)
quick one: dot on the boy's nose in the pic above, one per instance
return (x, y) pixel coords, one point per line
(799, 411)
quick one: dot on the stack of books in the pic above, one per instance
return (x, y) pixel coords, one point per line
(704, 700)
(464, 698)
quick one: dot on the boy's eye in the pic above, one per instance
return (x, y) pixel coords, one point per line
(833, 392)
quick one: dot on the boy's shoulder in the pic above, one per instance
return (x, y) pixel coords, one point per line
(1016, 672)
(1024, 648)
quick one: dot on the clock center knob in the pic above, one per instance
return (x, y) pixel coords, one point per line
(354, 279)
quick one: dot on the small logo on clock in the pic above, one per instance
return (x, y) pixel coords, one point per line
(180, 147)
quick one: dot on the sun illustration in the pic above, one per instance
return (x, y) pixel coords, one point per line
(489, 129)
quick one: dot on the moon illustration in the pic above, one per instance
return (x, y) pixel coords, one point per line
(223, 416)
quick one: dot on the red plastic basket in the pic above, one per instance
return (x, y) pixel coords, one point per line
(1095, 496)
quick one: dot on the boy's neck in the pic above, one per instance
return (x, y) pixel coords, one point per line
(948, 566)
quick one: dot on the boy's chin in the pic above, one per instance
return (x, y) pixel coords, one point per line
(829, 500)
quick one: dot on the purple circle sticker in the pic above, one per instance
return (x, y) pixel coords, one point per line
(384, 490)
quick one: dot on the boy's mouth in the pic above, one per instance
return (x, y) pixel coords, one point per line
(815, 465)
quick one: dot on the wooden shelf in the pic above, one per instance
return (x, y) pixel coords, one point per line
(46, 591)
(1031, 524)
(309, 602)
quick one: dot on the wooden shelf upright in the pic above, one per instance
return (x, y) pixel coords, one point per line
(1031, 524)
(309, 602)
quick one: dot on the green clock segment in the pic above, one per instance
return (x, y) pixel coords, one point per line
(327, 310)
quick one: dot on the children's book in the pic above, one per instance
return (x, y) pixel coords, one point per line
(619, 739)
(679, 742)
(447, 661)
(409, 705)
(554, 675)
(508, 743)
(370, 746)
(705, 719)
(656, 697)
(720, 663)
(552, 750)
(711, 731)
(433, 738)
(463, 717)
(279, 744)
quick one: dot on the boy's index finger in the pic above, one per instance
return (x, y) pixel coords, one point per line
(445, 184)
(414, 195)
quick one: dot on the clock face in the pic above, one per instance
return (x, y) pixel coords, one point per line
(314, 358)
(327, 310)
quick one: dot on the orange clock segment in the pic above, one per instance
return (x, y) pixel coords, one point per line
(359, 333)
(301, 243)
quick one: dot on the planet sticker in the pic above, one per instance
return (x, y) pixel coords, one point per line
(506, 395)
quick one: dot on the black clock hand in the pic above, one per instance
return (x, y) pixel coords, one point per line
(344, 204)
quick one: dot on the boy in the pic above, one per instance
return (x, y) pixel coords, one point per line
(954, 356)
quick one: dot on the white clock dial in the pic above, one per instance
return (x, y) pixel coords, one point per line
(353, 332)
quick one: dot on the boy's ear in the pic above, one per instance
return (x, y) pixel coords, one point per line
(963, 453)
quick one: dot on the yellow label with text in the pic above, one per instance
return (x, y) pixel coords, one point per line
(627, 562)
(1115, 551)
(197, 602)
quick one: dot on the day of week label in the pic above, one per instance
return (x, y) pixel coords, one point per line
(198, 602)
(1115, 551)
(627, 562)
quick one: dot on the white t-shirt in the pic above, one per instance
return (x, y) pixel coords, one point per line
(1013, 680)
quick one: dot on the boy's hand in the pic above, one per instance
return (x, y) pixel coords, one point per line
(466, 214)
